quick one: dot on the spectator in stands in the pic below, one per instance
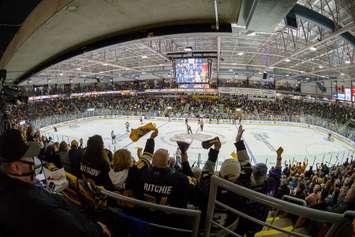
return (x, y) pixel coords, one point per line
(121, 163)
(51, 156)
(300, 191)
(283, 189)
(312, 199)
(163, 186)
(26, 205)
(133, 182)
(95, 163)
(273, 181)
(75, 154)
(63, 155)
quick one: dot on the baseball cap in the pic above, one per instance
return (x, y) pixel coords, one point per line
(230, 169)
(13, 147)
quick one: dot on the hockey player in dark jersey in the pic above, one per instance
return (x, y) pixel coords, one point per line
(189, 130)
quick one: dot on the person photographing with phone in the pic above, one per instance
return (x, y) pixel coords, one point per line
(28, 209)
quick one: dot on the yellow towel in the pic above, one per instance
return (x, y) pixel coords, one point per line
(141, 131)
(234, 155)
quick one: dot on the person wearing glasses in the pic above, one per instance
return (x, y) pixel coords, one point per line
(28, 209)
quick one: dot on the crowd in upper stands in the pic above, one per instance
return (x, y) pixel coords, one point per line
(223, 107)
(140, 85)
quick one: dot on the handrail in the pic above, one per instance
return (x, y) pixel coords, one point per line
(195, 214)
(322, 216)
(297, 200)
(256, 220)
(313, 214)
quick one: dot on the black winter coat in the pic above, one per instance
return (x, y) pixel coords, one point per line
(29, 210)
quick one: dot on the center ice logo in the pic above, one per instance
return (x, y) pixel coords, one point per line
(264, 138)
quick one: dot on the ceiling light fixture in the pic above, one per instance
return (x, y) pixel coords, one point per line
(231, 70)
(287, 75)
(105, 64)
(320, 66)
(79, 69)
(271, 68)
(347, 61)
(251, 34)
(188, 49)
(240, 53)
(144, 56)
(342, 74)
(287, 60)
(60, 74)
(313, 48)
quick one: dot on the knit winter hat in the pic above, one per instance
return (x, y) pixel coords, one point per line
(230, 170)
(74, 143)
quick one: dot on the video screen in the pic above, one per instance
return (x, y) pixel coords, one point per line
(192, 70)
(342, 92)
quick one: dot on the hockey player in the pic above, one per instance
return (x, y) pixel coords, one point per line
(330, 138)
(189, 130)
(127, 126)
(201, 124)
(113, 136)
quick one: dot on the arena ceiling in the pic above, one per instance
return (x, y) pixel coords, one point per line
(311, 51)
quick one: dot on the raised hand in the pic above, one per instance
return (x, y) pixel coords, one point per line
(279, 152)
(240, 134)
(139, 152)
(154, 133)
(217, 145)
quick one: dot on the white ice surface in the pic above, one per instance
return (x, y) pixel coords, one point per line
(261, 140)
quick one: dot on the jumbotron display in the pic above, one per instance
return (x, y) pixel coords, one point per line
(191, 70)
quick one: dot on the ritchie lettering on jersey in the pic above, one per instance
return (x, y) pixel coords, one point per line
(161, 189)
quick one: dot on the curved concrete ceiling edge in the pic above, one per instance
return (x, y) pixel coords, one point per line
(121, 37)
(54, 29)
(43, 12)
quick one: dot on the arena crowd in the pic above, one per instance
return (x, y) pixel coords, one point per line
(153, 175)
(336, 115)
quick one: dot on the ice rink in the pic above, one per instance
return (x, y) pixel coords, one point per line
(261, 139)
